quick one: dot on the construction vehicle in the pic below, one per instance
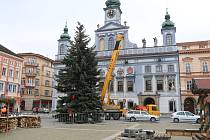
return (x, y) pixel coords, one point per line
(152, 109)
(111, 110)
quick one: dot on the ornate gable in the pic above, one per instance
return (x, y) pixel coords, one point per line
(111, 26)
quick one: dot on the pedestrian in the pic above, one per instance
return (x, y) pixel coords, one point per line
(4, 111)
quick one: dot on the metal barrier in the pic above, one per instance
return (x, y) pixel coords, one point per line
(79, 117)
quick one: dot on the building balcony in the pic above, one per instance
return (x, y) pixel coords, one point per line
(138, 51)
(31, 74)
(29, 85)
(31, 64)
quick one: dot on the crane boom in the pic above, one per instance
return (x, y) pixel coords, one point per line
(115, 54)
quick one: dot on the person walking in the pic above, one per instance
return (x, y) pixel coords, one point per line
(4, 111)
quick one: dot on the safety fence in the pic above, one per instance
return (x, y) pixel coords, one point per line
(79, 117)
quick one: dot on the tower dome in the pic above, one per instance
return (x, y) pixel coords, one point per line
(111, 3)
(167, 22)
(65, 34)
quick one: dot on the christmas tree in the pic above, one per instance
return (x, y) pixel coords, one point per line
(79, 79)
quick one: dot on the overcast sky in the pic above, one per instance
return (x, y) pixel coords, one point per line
(36, 25)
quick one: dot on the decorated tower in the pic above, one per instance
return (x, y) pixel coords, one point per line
(168, 31)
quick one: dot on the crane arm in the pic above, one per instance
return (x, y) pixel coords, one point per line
(114, 57)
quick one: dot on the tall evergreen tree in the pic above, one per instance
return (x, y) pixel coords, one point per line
(78, 80)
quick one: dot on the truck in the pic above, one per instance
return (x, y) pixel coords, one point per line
(111, 110)
(152, 109)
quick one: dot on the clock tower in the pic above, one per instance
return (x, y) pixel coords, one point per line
(113, 11)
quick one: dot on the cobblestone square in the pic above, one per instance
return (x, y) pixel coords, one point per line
(107, 130)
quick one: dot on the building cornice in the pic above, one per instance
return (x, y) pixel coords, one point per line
(37, 55)
(207, 50)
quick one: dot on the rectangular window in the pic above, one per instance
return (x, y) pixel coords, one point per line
(189, 85)
(169, 39)
(30, 81)
(130, 86)
(171, 84)
(205, 67)
(14, 88)
(46, 92)
(120, 86)
(172, 106)
(188, 67)
(170, 68)
(47, 83)
(147, 69)
(37, 82)
(30, 70)
(23, 81)
(22, 91)
(38, 71)
(148, 84)
(1, 86)
(36, 92)
(10, 88)
(160, 85)
(29, 91)
(4, 70)
(31, 60)
(10, 73)
(159, 68)
(17, 74)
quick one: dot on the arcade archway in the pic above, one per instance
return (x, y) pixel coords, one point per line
(149, 100)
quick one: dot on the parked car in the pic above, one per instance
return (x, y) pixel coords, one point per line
(134, 115)
(40, 110)
(185, 116)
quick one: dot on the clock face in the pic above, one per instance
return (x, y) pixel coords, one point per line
(111, 13)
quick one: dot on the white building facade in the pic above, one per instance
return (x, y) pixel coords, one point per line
(146, 75)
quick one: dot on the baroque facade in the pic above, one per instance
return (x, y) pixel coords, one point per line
(36, 82)
(194, 59)
(10, 77)
(143, 75)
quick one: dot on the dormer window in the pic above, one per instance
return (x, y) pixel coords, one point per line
(111, 43)
(169, 39)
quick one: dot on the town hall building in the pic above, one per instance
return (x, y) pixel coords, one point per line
(143, 75)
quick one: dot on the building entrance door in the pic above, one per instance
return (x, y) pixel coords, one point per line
(189, 105)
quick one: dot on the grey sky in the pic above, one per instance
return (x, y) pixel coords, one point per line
(36, 25)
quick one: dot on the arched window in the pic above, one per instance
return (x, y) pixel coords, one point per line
(111, 43)
(101, 44)
(169, 40)
(205, 67)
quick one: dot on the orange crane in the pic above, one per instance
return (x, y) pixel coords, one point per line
(110, 109)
